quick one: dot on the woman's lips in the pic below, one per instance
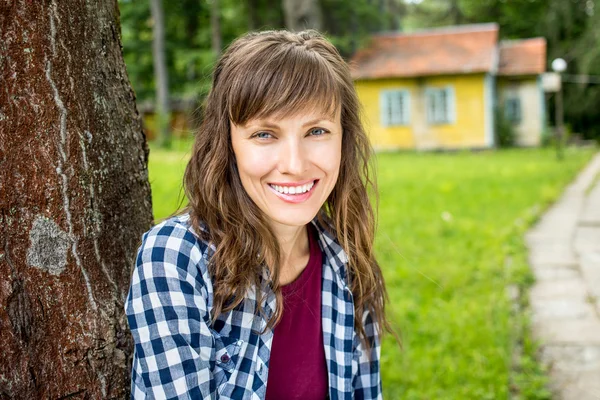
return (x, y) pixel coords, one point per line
(294, 198)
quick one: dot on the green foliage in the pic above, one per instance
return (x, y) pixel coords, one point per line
(189, 55)
(348, 24)
(136, 37)
(505, 131)
(450, 242)
(188, 44)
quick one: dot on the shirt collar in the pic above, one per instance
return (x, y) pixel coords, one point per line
(333, 251)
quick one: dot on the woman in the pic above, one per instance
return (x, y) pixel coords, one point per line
(267, 286)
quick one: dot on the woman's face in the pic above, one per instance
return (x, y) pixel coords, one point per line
(289, 166)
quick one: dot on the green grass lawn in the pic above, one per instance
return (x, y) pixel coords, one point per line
(450, 241)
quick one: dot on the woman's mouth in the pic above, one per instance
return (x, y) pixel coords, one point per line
(294, 193)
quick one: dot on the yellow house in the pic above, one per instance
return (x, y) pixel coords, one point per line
(442, 88)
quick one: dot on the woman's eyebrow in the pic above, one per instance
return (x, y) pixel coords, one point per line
(266, 124)
(274, 125)
(320, 119)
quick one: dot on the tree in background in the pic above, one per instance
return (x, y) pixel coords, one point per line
(302, 14)
(190, 45)
(215, 27)
(74, 200)
(349, 24)
(161, 76)
(189, 55)
(264, 14)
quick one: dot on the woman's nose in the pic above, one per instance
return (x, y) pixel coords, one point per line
(293, 158)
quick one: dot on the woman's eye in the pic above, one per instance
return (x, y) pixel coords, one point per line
(318, 132)
(263, 135)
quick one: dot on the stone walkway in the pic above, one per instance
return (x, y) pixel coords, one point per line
(564, 253)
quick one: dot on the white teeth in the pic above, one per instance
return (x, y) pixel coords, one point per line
(293, 189)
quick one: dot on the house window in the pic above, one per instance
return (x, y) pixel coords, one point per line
(395, 107)
(440, 105)
(512, 109)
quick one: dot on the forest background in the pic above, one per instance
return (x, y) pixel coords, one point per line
(195, 31)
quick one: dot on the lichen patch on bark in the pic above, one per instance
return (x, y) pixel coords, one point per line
(48, 246)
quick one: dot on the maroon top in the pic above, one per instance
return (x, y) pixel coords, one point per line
(297, 368)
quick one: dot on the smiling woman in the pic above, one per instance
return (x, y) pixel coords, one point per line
(266, 286)
(290, 168)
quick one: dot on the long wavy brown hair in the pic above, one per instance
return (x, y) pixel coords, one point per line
(276, 73)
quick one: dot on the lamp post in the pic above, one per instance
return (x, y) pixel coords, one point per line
(559, 66)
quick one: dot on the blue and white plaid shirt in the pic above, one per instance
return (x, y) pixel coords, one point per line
(179, 354)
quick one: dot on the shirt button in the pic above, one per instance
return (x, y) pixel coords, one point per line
(225, 358)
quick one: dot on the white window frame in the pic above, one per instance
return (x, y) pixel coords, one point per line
(395, 107)
(440, 104)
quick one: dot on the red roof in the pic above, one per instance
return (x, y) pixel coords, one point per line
(522, 57)
(452, 50)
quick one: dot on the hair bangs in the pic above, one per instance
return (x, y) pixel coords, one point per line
(284, 84)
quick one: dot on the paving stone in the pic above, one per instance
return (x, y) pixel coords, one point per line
(590, 270)
(552, 254)
(560, 225)
(587, 239)
(585, 387)
(572, 357)
(584, 331)
(576, 386)
(563, 215)
(549, 238)
(544, 272)
(574, 370)
(587, 176)
(591, 211)
(561, 308)
(574, 288)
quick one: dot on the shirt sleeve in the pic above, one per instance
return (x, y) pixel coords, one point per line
(367, 382)
(167, 313)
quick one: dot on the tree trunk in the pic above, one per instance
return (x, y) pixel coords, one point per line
(74, 200)
(354, 31)
(215, 27)
(251, 11)
(396, 13)
(455, 12)
(302, 14)
(161, 77)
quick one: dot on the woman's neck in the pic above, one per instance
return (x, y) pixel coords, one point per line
(295, 251)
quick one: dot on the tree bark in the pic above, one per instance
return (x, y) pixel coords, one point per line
(74, 200)
(302, 14)
(215, 27)
(161, 77)
(251, 11)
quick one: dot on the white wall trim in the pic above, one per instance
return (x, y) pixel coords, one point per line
(489, 105)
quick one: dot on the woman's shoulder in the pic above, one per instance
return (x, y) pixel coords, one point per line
(175, 241)
(171, 263)
(178, 227)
